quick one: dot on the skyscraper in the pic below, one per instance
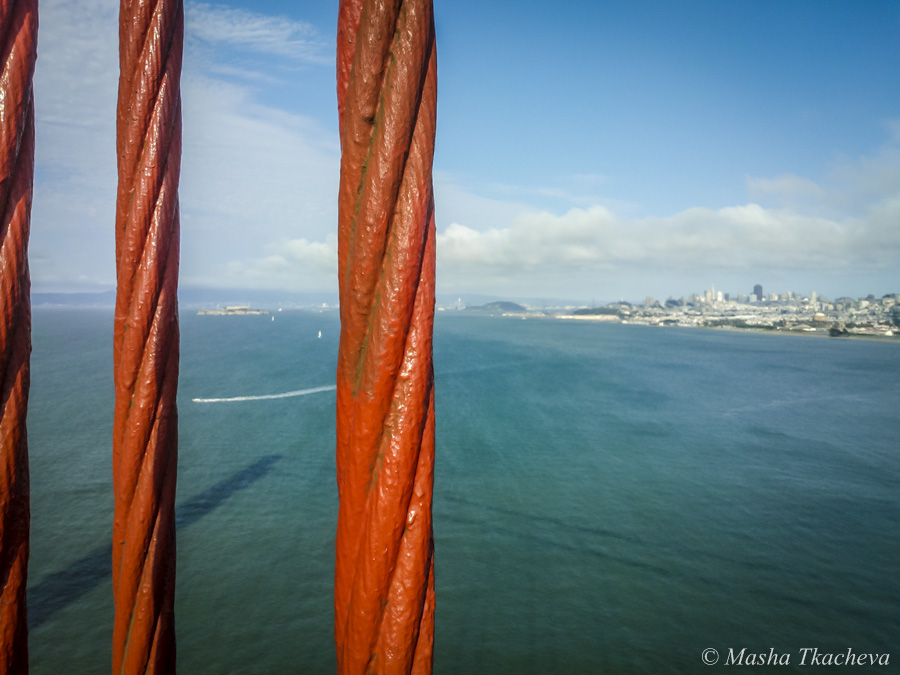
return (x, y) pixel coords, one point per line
(757, 291)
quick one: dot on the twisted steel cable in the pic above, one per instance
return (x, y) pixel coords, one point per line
(146, 342)
(18, 32)
(384, 569)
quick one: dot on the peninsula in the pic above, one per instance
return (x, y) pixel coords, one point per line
(784, 312)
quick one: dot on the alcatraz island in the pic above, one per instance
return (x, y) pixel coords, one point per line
(784, 312)
(233, 310)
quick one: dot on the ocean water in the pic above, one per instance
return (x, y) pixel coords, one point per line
(608, 498)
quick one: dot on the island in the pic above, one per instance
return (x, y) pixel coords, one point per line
(500, 307)
(234, 310)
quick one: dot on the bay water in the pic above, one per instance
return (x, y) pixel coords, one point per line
(608, 498)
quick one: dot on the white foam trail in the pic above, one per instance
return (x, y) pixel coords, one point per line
(265, 397)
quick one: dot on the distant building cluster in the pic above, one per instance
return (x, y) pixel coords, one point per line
(777, 311)
(787, 311)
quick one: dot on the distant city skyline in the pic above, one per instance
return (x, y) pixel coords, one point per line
(761, 294)
(584, 150)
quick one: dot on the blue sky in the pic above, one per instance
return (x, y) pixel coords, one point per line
(587, 150)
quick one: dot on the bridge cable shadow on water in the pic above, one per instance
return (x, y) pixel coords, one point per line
(62, 588)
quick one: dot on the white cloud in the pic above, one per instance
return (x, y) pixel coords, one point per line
(252, 174)
(584, 241)
(276, 35)
(581, 189)
(246, 74)
(463, 203)
(75, 85)
(863, 181)
(789, 186)
(800, 229)
(848, 187)
(294, 264)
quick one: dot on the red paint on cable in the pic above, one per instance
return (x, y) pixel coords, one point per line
(146, 339)
(384, 569)
(18, 41)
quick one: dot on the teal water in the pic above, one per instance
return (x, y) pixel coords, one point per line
(608, 498)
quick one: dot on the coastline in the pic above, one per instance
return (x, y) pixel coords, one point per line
(610, 319)
(798, 333)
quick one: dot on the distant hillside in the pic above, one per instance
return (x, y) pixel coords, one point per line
(499, 306)
(104, 299)
(598, 311)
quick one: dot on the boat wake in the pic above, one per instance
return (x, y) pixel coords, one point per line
(266, 397)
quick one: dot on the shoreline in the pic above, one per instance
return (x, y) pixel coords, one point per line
(798, 333)
(610, 319)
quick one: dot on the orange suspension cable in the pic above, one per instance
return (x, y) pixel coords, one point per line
(384, 570)
(18, 32)
(145, 351)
